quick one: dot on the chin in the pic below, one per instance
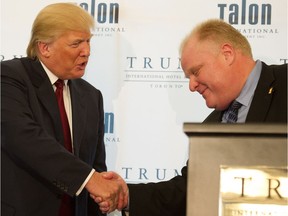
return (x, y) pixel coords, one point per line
(209, 103)
(79, 74)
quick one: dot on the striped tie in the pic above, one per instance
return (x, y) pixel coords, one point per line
(231, 114)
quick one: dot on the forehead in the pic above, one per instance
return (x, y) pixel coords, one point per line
(190, 52)
(196, 51)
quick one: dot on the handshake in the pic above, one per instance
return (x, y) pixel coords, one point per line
(109, 190)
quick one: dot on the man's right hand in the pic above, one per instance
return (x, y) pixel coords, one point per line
(109, 190)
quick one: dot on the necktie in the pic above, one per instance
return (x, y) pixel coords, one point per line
(67, 204)
(65, 124)
(232, 112)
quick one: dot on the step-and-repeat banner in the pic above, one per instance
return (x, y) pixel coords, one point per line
(135, 63)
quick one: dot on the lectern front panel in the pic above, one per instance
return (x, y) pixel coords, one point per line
(214, 147)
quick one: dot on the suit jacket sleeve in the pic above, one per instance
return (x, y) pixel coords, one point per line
(158, 199)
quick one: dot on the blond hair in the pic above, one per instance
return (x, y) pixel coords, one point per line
(220, 32)
(54, 20)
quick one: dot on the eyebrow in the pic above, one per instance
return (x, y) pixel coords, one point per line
(79, 40)
(82, 39)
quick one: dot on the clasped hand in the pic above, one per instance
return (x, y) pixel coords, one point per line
(109, 190)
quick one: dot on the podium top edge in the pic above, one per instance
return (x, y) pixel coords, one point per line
(247, 128)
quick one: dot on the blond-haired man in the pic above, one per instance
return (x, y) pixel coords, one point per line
(52, 160)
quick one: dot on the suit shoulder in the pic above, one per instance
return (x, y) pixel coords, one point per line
(277, 69)
(16, 64)
(86, 86)
(12, 63)
(12, 68)
(276, 73)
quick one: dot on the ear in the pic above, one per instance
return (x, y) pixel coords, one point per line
(228, 53)
(44, 49)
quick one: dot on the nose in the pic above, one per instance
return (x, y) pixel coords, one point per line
(85, 52)
(193, 84)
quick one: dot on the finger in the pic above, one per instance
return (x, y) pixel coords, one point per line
(113, 204)
(126, 198)
(108, 175)
(98, 199)
(104, 204)
(107, 209)
(104, 210)
(120, 201)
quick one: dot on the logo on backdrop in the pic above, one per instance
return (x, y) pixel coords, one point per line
(251, 19)
(107, 17)
(110, 136)
(146, 175)
(156, 72)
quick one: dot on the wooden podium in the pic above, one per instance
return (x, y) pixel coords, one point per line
(213, 146)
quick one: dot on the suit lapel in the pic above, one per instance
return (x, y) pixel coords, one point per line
(79, 107)
(215, 116)
(262, 97)
(45, 93)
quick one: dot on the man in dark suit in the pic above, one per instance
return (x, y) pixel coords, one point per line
(39, 176)
(218, 61)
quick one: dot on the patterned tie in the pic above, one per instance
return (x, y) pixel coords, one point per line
(67, 204)
(231, 114)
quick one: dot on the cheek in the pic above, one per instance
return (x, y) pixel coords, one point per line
(208, 79)
(217, 78)
(67, 53)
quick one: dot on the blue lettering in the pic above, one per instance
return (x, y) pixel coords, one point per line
(266, 14)
(147, 61)
(142, 174)
(253, 17)
(168, 64)
(157, 174)
(102, 11)
(126, 171)
(109, 122)
(233, 17)
(253, 14)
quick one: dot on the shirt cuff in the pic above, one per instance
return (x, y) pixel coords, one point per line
(85, 182)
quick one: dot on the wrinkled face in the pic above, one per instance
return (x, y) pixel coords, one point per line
(207, 65)
(68, 55)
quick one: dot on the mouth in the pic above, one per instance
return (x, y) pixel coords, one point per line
(82, 65)
(202, 91)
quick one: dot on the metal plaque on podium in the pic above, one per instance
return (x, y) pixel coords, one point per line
(237, 169)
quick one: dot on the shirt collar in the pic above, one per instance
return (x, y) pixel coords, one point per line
(50, 75)
(247, 92)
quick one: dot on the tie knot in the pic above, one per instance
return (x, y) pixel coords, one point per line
(231, 114)
(235, 105)
(59, 84)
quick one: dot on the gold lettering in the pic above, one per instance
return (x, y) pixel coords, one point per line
(275, 188)
(243, 184)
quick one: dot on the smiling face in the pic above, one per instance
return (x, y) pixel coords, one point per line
(68, 55)
(208, 67)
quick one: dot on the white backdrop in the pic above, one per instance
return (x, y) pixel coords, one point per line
(135, 63)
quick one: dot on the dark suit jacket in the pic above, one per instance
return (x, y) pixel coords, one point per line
(169, 198)
(36, 168)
